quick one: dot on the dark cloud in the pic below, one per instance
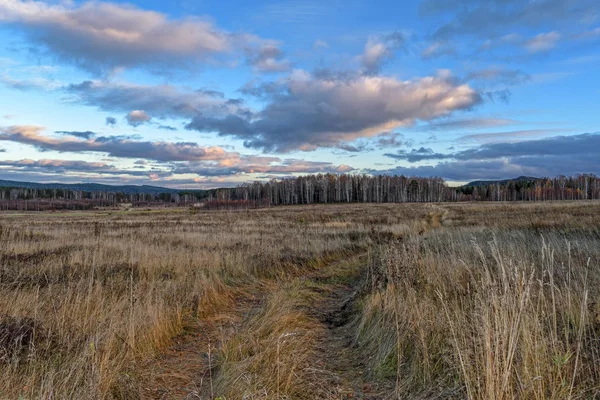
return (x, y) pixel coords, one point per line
(464, 170)
(260, 89)
(353, 148)
(416, 155)
(48, 166)
(568, 155)
(502, 96)
(111, 121)
(160, 101)
(573, 146)
(306, 112)
(103, 36)
(391, 139)
(79, 134)
(136, 118)
(268, 58)
(167, 128)
(301, 112)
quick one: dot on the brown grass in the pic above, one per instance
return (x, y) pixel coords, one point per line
(458, 300)
(499, 305)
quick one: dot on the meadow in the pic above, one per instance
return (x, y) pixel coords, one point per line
(331, 301)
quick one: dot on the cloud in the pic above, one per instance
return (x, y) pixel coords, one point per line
(58, 166)
(111, 121)
(498, 95)
(35, 83)
(160, 101)
(542, 42)
(498, 75)
(136, 118)
(467, 123)
(167, 128)
(104, 36)
(253, 165)
(416, 155)
(300, 112)
(391, 139)
(379, 50)
(79, 134)
(590, 34)
(574, 146)
(320, 44)
(438, 49)
(174, 158)
(268, 58)
(114, 146)
(568, 155)
(493, 18)
(503, 136)
(305, 112)
(464, 170)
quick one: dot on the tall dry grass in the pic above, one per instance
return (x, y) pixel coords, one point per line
(86, 299)
(460, 300)
(499, 303)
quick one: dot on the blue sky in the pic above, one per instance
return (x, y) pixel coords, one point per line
(197, 94)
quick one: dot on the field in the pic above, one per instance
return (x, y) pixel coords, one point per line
(372, 301)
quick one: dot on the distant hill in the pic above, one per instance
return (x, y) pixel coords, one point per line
(503, 181)
(94, 187)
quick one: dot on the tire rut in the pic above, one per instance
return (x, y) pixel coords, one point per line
(341, 357)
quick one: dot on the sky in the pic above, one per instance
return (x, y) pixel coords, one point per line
(201, 94)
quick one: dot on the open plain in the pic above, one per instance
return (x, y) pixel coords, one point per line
(371, 301)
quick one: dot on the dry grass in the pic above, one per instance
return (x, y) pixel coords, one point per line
(85, 299)
(486, 301)
(500, 305)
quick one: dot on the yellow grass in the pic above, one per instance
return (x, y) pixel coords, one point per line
(486, 301)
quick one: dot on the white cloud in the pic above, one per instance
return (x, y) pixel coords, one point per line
(99, 35)
(542, 42)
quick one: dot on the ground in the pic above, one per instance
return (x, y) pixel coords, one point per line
(338, 301)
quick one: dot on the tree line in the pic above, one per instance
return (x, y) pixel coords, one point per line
(315, 189)
(346, 188)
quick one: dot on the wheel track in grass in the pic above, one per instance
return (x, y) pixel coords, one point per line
(189, 368)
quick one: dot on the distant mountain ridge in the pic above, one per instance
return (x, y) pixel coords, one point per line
(503, 181)
(94, 187)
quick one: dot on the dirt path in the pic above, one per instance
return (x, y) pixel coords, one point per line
(187, 369)
(337, 364)
(340, 356)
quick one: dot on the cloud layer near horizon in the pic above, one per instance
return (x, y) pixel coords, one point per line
(568, 155)
(169, 158)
